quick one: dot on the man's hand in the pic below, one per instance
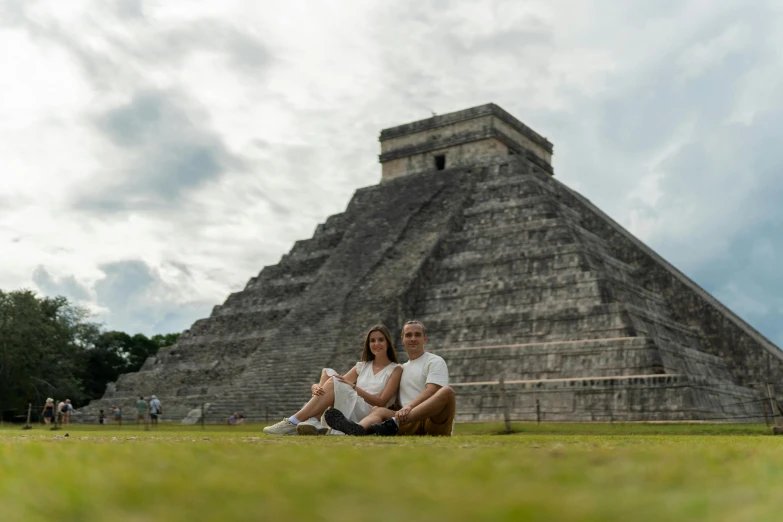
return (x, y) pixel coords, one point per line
(402, 415)
(317, 389)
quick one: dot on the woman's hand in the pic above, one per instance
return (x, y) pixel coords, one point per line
(317, 389)
(342, 379)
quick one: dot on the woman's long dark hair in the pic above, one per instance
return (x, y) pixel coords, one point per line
(367, 354)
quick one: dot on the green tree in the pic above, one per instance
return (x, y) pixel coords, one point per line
(43, 345)
(106, 361)
(48, 348)
(115, 353)
(165, 339)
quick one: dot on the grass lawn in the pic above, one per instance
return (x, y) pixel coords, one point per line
(598, 472)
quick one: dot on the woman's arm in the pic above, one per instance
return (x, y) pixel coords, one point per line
(388, 392)
(348, 378)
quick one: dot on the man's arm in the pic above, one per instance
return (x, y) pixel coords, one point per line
(429, 391)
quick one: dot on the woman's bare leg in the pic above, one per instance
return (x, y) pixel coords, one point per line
(377, 414)
(317, 405)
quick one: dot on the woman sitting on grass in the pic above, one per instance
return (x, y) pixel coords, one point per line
(373, 381)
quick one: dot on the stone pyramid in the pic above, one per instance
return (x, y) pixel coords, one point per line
(517, 277)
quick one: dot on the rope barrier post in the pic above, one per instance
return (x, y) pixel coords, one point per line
(766, 415)
(202, 415)
(504, 404)
(29, 411)
(538, 411)
(58, 418)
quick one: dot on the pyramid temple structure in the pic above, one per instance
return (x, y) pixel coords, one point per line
(537, 300)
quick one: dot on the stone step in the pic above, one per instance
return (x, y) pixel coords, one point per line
(529, 232)
(231, 324)
(666, 327)
(641, 397)
(539, 206)
(510, 187)
(256, 305)
(536, 259)
(539, 260)
(582, 357)
(558, 311)
(632, 292)
(204, 339)
(499, 294)
(506, 327)
(319, 242)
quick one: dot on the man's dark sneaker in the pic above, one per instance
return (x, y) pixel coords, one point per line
(337, 421)
(386, 428)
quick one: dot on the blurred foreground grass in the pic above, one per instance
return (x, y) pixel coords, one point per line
(543, 472)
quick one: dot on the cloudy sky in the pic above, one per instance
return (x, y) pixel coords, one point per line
(155, 155)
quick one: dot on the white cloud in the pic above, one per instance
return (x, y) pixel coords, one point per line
(701, 56)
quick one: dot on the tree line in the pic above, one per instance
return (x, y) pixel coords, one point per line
(50, 348)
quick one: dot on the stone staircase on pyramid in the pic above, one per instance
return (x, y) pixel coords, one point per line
(516, 277)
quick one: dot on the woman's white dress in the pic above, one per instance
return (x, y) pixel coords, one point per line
(348, 401)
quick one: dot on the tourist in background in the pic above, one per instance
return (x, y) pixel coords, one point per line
(48, 411)
(61, 409)
(142, 408)
(117, 414)
(373, 381)
(67, 409)
(156, 409)
(236, 419)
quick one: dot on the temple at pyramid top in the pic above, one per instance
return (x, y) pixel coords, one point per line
(456, 139)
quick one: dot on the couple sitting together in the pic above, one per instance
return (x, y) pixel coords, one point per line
(364, 401)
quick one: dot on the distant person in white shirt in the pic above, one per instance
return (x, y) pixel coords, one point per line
(156, 410)
(428, 403)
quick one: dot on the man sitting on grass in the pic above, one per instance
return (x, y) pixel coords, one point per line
(429, 405)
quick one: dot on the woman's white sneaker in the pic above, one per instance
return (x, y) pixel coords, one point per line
(284, 427)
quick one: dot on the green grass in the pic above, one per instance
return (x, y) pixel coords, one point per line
(543, 472)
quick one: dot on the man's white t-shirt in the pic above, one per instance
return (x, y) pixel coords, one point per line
(416, 374)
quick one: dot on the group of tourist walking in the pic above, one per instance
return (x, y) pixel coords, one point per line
(153, 409)
(378, 395)
(61, 414)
